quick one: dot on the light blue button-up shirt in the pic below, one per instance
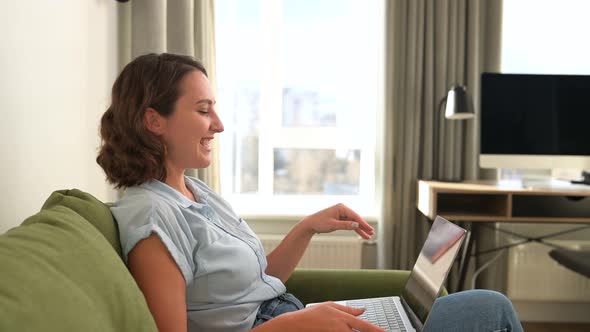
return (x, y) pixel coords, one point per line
(220, 257)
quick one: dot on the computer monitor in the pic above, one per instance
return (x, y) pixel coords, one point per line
(535, 121)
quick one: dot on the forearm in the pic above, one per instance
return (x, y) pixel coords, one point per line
(322, 317)
(283, 260)
(285, 257)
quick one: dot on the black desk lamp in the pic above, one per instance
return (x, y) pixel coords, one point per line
(459, 106)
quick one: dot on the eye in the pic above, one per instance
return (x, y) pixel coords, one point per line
(203, 111)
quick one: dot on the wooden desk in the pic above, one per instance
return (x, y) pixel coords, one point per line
(478, 202)
(491, 201)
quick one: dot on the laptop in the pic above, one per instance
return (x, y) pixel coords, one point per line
(409, 312)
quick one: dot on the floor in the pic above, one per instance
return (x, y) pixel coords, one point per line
(555, 327)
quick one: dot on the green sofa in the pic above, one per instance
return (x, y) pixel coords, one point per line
(61, 270)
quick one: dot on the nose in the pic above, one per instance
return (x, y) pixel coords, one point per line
(216, 124)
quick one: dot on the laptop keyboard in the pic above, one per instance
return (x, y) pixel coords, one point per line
(381, 312)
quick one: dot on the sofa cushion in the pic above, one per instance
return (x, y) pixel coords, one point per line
(59, 273)
(92, 210)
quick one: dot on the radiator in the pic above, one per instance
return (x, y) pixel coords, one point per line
(332, 252)
(534, 276)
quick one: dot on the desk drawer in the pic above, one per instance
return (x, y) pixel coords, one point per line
(550, 206)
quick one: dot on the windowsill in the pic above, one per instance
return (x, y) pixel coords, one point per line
(291, 217)
(291, 208)
(282, 224)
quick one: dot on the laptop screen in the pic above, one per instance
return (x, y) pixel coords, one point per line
(433, 265)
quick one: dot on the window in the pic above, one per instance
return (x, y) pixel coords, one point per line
(546, 37)
(299, 86)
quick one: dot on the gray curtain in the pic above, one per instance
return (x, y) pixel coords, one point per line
(430, 46)
(173, 26)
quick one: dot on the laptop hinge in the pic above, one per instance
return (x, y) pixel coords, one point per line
(413, 318)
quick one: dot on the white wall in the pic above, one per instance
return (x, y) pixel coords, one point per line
(58, 60)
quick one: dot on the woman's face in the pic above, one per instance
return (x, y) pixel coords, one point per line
(188, 132)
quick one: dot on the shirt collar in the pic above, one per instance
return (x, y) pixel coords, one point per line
(174, 195)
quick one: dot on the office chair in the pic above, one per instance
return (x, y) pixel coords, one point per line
(575, 260)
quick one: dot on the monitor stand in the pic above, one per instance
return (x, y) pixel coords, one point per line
(520, 178)
(584, 180)
(543, 179)
(545, 183)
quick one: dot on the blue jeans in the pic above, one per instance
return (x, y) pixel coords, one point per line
(277, 306)
(473, 311)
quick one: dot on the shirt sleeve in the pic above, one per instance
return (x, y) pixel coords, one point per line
(140, 217)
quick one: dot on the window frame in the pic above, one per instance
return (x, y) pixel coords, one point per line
(272, 135)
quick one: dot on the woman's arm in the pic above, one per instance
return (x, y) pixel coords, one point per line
(161, 282)
(285, 257)
(283, 260)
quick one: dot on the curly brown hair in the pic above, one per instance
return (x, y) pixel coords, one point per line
(129, 153)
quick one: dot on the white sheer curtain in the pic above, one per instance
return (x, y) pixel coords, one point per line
(174, 26)
(430, 46)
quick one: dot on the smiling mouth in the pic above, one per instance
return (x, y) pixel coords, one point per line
(206, 142)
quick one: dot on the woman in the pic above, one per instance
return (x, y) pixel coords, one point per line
(199, 266)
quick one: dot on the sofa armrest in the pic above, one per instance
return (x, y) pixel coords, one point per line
(319, 285)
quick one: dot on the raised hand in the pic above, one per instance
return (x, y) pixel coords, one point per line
(338, 217)
(285, 257)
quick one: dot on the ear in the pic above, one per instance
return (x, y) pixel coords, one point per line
(153, 121)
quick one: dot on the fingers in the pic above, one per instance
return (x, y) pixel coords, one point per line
(355, 226)
(357, 324)
(346, 213)
(363, 234)
(355, 221)
(338, 217)
(352, 225)
(354, 322)
(346, 309)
